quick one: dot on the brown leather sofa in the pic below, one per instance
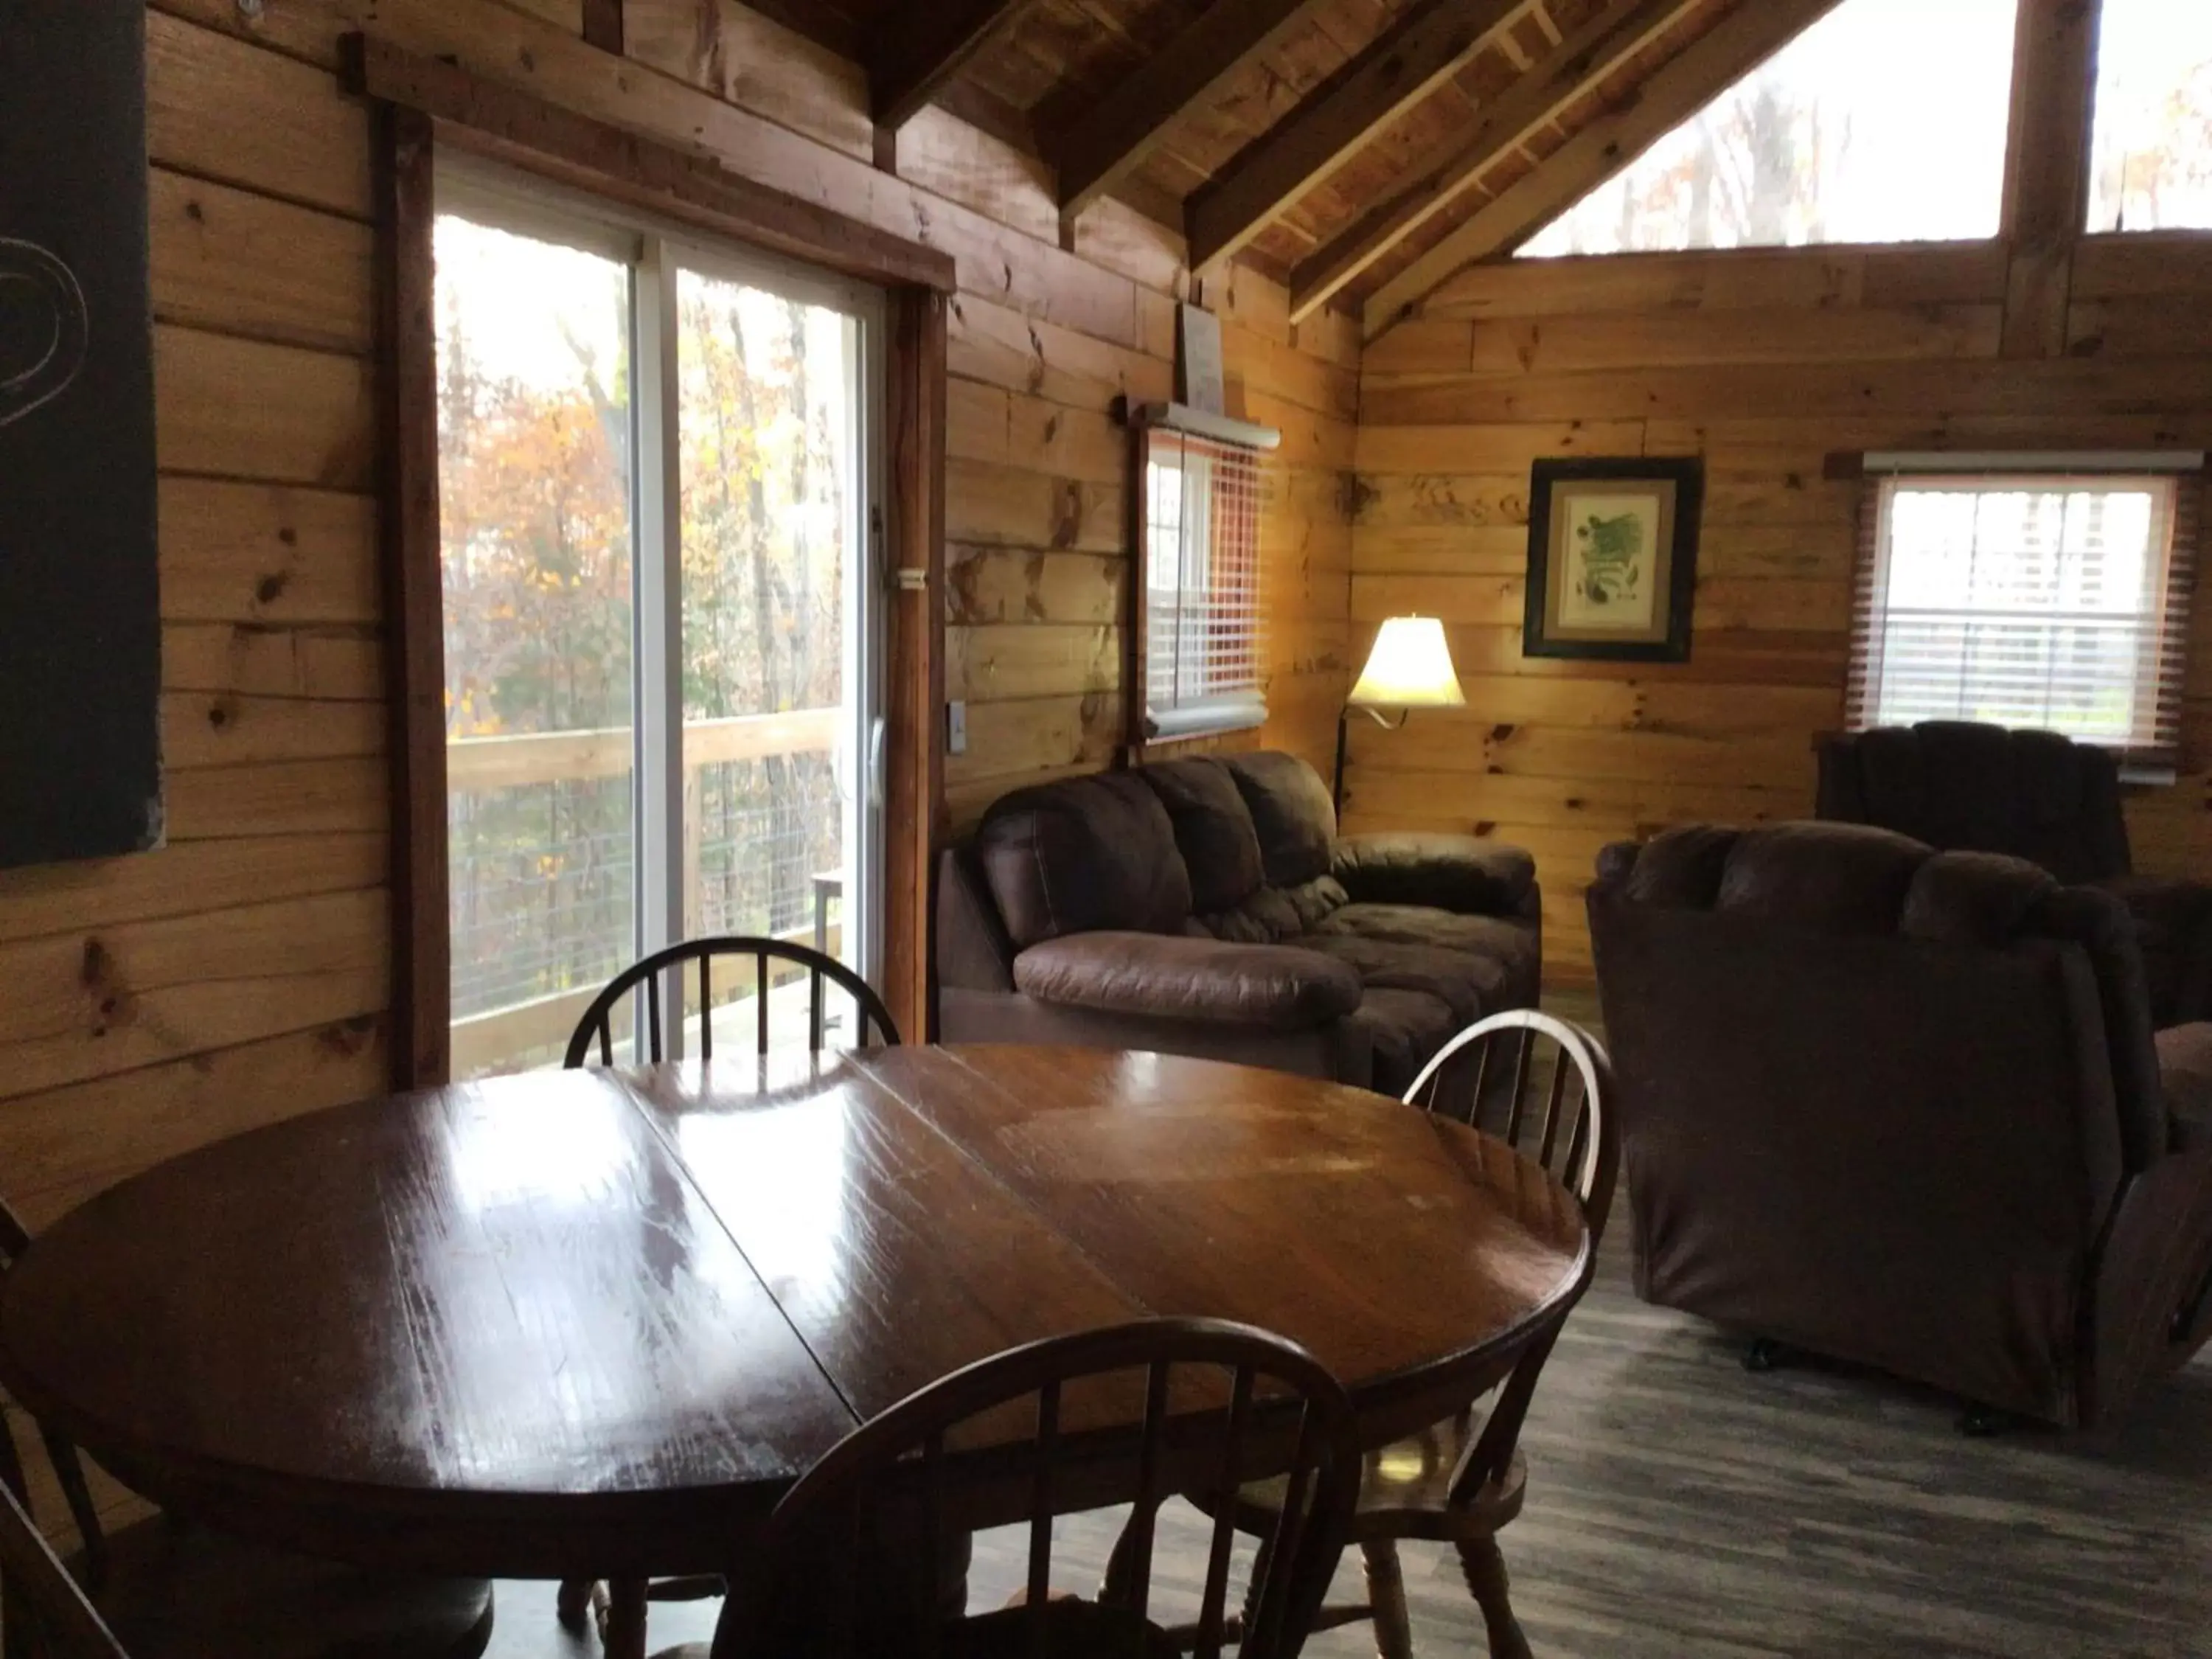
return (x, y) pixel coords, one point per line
(1906, 1107)
(1965, 787)
(1208, 906)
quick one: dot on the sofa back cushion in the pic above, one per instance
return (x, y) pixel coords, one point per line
(1291, 813)
(1091, 852)
(1213, 830)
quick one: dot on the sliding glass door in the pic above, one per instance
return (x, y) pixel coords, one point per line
(658, 466)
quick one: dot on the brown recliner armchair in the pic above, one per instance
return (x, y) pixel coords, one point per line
(1907, 1109)
(1965, 787)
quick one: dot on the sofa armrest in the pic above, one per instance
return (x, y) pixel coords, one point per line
(1271, 987)
(2172, 917)
(1470, 874)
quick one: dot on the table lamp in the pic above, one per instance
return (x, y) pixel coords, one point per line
(1410, 668)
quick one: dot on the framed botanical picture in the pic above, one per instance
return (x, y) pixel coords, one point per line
(1613, 558)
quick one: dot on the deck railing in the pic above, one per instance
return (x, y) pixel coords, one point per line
(543, 873)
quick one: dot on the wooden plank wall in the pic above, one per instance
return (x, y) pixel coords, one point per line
(242, 974)
(1763, 364)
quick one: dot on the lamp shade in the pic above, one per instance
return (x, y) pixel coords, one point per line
(1410, 667)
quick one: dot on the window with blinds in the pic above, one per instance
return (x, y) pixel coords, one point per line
(2045, 599)
(1201, 645)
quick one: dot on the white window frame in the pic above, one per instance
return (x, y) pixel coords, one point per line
(1195, 704)
(2164, 584)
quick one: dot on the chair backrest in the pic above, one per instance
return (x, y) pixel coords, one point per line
(68, 1472)
(909, 1464)
(1539, 1083)
(42, 1609)
(1543, 1086)
(699, 955)
(1962, 786)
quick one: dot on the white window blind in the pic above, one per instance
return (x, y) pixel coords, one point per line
(1201, 615)
(2027, 599)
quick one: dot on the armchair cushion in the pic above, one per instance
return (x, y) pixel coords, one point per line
(2173, 927)
(1466, 874)
(1277, 986)
(2184, 1066)
(1961, 786)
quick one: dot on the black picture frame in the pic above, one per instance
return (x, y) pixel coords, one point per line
(1664, 636)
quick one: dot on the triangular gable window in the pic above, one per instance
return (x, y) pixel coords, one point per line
(2152, 163)
(1884, 122)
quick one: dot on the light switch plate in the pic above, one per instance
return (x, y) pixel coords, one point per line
(955, 728)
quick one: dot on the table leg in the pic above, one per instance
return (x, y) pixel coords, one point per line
(621, 1628)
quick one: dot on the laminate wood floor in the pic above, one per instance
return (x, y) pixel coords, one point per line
(1678, 1505)
(1681, 1506)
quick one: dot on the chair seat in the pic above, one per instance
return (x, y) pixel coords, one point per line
(1074, 1630)
(183, 1590)
(1405, 1490)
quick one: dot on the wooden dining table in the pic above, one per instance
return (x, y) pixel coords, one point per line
(593, 1323)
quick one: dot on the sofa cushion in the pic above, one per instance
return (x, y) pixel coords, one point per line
(1091, 852)
(1512, 945)
(1275, 986)
(1213, 829)
(1291, 812)
(1469, 985)
(1276, 915)
(1467, 873)
(1403, 1029)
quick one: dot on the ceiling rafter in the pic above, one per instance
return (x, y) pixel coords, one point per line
(1742, 40)
(1101, 148)
(925, 46)
(1424, 49)
(1581, 60)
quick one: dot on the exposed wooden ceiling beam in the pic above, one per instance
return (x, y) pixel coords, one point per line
(2046, 192)
(1739, 44)
(1406, 63)
(925, 43)
(1578, 62)
(1102, 147)
(602, 24)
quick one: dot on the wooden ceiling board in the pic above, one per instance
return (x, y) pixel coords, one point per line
(1615, 91)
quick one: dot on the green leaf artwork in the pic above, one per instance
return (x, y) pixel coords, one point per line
(1609, 559)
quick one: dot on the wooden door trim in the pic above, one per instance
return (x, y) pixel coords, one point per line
(422, 104)
(913, 734)
(414, 587)
(508, 125)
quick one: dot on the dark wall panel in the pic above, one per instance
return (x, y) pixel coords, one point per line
(80, 627)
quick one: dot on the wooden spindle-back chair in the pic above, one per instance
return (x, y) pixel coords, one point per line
(44, 1615)
(1545, 1087)
(580, 1598)
(905, 1471)
(699, 956)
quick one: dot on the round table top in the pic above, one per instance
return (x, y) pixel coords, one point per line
(588, 1322)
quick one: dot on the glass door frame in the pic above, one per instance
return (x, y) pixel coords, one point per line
(655, 254)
